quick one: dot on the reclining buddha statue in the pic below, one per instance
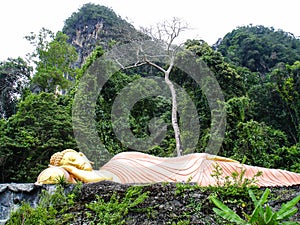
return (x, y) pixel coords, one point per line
(136, 167)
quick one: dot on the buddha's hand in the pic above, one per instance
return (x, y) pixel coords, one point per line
(220, 158)
(53, 175)
(85, 176)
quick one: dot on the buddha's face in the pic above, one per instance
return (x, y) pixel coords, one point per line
(76, 159)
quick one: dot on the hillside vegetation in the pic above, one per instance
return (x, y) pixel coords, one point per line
(257, 68)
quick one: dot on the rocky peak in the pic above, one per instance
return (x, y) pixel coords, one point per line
(95, 25)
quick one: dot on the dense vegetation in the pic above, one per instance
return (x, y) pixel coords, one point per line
(256, 67)
(259, 48)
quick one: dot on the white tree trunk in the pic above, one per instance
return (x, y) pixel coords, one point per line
(175, 125)
(174, 113)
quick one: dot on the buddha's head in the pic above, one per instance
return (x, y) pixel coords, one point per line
(70, 157)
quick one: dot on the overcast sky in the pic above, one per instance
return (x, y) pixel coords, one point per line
(208, 20)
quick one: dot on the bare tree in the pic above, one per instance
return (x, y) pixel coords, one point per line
(164, 33)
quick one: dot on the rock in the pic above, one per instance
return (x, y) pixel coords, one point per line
(167, 206)
(164, 204)
(13, 194)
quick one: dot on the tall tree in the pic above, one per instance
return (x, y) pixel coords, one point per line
(230, 80)
(54, 59)
(256, 142)
(287, 83)
(14, 77)
(165, 33)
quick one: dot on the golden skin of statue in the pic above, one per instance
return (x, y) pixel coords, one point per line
(52, 175)
(71, 166)
(136, 167)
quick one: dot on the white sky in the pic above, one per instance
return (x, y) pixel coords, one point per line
(208, 20)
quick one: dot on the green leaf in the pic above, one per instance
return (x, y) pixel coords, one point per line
(226, 212)
(287, 214)
(252, 196)
(230, 216)
(290, 223)
(269, 216)
(287, 209)
(258, 206)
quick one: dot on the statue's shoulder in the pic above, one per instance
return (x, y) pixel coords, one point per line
(134, 155)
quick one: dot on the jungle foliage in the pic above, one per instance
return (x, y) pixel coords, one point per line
(259, 48)
(257, 69)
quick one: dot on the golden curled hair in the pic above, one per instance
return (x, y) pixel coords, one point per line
(57, 157)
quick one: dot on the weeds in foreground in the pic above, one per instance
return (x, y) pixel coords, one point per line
(50, 206)
(54, 208)
(115, 210)
(237, 179)
(233, 187)
(262, 213)
(235, 191)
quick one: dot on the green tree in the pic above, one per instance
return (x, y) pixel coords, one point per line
(277, 100)
(54, 59)
(14, 78)
(139, 119)
(259, 48)
(229, 80)
(288, 158)
(40, 128)
(287, 82)
(255, 142)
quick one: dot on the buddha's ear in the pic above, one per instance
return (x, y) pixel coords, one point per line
(83, 155)
(72, 159)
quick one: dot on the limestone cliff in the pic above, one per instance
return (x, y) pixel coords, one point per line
(95, 25)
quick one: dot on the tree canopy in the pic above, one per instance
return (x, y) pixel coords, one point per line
(14, 78)
(54, 59)
(256, 67)
(259, 48)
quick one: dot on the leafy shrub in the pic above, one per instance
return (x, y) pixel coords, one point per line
(234, 185)
(56, 208)
(261, 215)
(113, 211)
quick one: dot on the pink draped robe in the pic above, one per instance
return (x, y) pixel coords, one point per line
(135, 167)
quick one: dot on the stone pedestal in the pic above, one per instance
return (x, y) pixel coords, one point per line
(12, 194)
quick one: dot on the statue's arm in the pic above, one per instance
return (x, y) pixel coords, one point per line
(52, 175)
(85, 176)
